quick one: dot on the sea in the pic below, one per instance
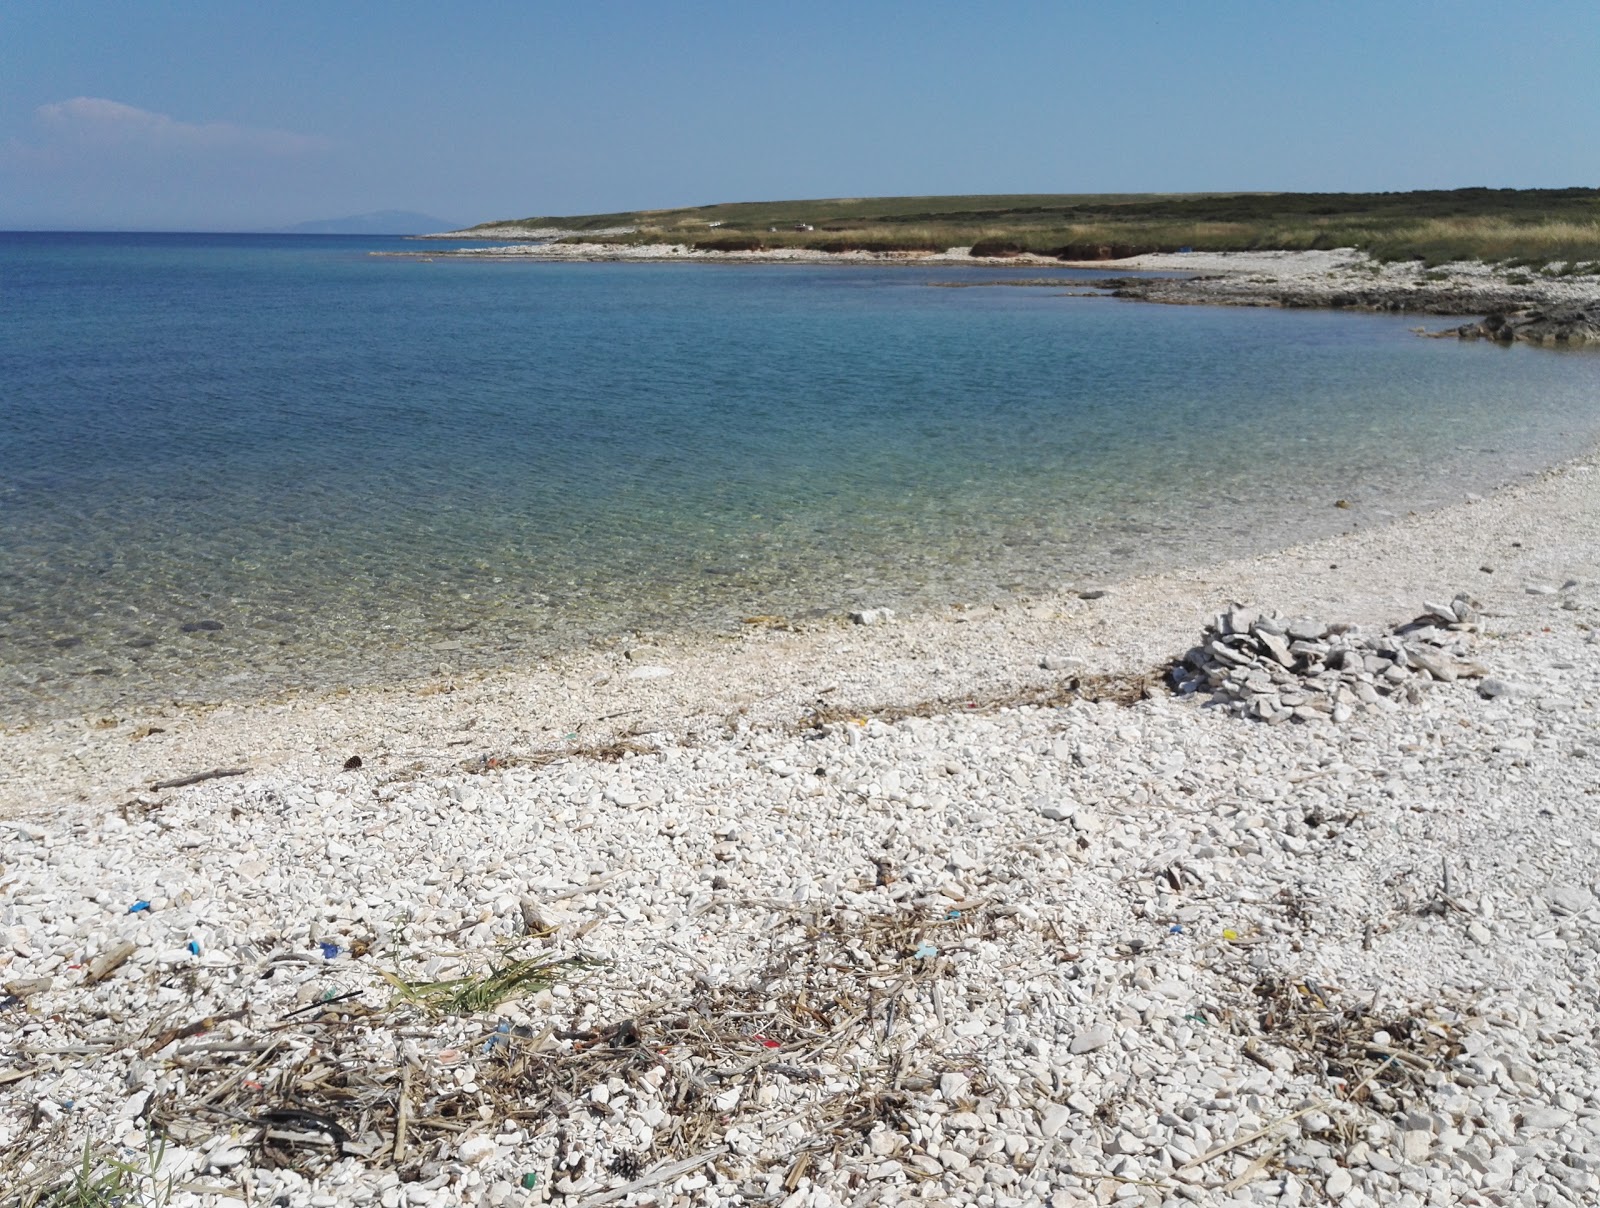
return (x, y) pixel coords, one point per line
(237, 466)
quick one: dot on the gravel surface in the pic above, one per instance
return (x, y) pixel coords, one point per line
(962, 909)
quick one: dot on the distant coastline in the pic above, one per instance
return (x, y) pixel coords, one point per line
(1554, 308)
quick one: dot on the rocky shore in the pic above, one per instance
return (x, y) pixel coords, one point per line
(1269, 882)
(1542, 308)
(1539, 308)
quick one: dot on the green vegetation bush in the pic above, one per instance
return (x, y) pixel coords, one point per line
(1536, 227)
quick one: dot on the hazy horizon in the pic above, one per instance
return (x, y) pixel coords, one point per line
(215, 118)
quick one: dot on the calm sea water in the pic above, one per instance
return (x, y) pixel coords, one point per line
(233, 464)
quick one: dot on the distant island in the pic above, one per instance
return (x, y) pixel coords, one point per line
(379, 222)
(1533, 226)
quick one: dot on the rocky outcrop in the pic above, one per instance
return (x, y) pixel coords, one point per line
(1537, 325)
(1241, 291)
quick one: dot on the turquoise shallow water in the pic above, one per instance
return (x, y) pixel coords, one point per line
(234, 464)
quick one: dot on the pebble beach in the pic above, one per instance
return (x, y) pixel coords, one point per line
(979, 906)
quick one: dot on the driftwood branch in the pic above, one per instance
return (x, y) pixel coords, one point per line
(183, 781)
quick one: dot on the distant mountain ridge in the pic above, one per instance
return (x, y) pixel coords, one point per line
(379, 222)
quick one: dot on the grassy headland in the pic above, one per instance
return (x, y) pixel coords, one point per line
(1534, 227)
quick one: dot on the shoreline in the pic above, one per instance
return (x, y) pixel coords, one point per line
(690, 682)
(1545, 309)
(1077, 945)
(962, 904)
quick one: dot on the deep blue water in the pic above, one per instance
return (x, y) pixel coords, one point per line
(353, 464)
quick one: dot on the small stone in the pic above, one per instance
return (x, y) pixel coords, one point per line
(1055, 1119)
(1539, 589)
(1338, 1184)
(1062, 662)
(1416, 1144)
(1491, 687)
(1094, 1038)
(475, 1151)
(872, 616)
(1094, 593)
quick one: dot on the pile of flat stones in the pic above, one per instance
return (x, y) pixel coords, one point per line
(1273, 669)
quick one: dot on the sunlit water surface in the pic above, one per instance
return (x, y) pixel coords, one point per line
(231, 465)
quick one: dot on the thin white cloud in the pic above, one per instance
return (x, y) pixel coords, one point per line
(94, 122)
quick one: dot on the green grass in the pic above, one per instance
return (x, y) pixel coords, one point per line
(485, 991)
(1534, 226)
(102, 1181)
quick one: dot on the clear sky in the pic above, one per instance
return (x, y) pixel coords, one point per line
(235, 116)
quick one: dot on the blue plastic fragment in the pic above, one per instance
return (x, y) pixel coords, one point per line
(329, 950)
(194, 947)
(502, 1035)
(141, 904)
(954, 914)
(925, 950)
(1175, 929)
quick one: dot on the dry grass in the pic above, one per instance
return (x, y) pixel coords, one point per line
(304, 1091)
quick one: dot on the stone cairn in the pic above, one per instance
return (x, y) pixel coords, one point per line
(1275, 670)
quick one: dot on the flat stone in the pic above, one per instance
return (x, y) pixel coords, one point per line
(1545, 1119)
(1416, 1144)
(649, 673)
(1062, 662)
(1277, 647)
(1093, 1038)
(1054, 1119)
(1304, 629)
(1569, 899)
(1435, 665)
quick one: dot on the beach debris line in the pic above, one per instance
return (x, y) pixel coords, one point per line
(1276, 669)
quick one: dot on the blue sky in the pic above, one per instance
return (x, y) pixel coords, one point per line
(240, 116)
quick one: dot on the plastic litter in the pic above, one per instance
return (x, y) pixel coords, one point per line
(925, 951)
(502, 1035)
(954, 914)
(1175, 929)
(194, 947)
(530, 1180)
(137, 907)
(329, 950)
